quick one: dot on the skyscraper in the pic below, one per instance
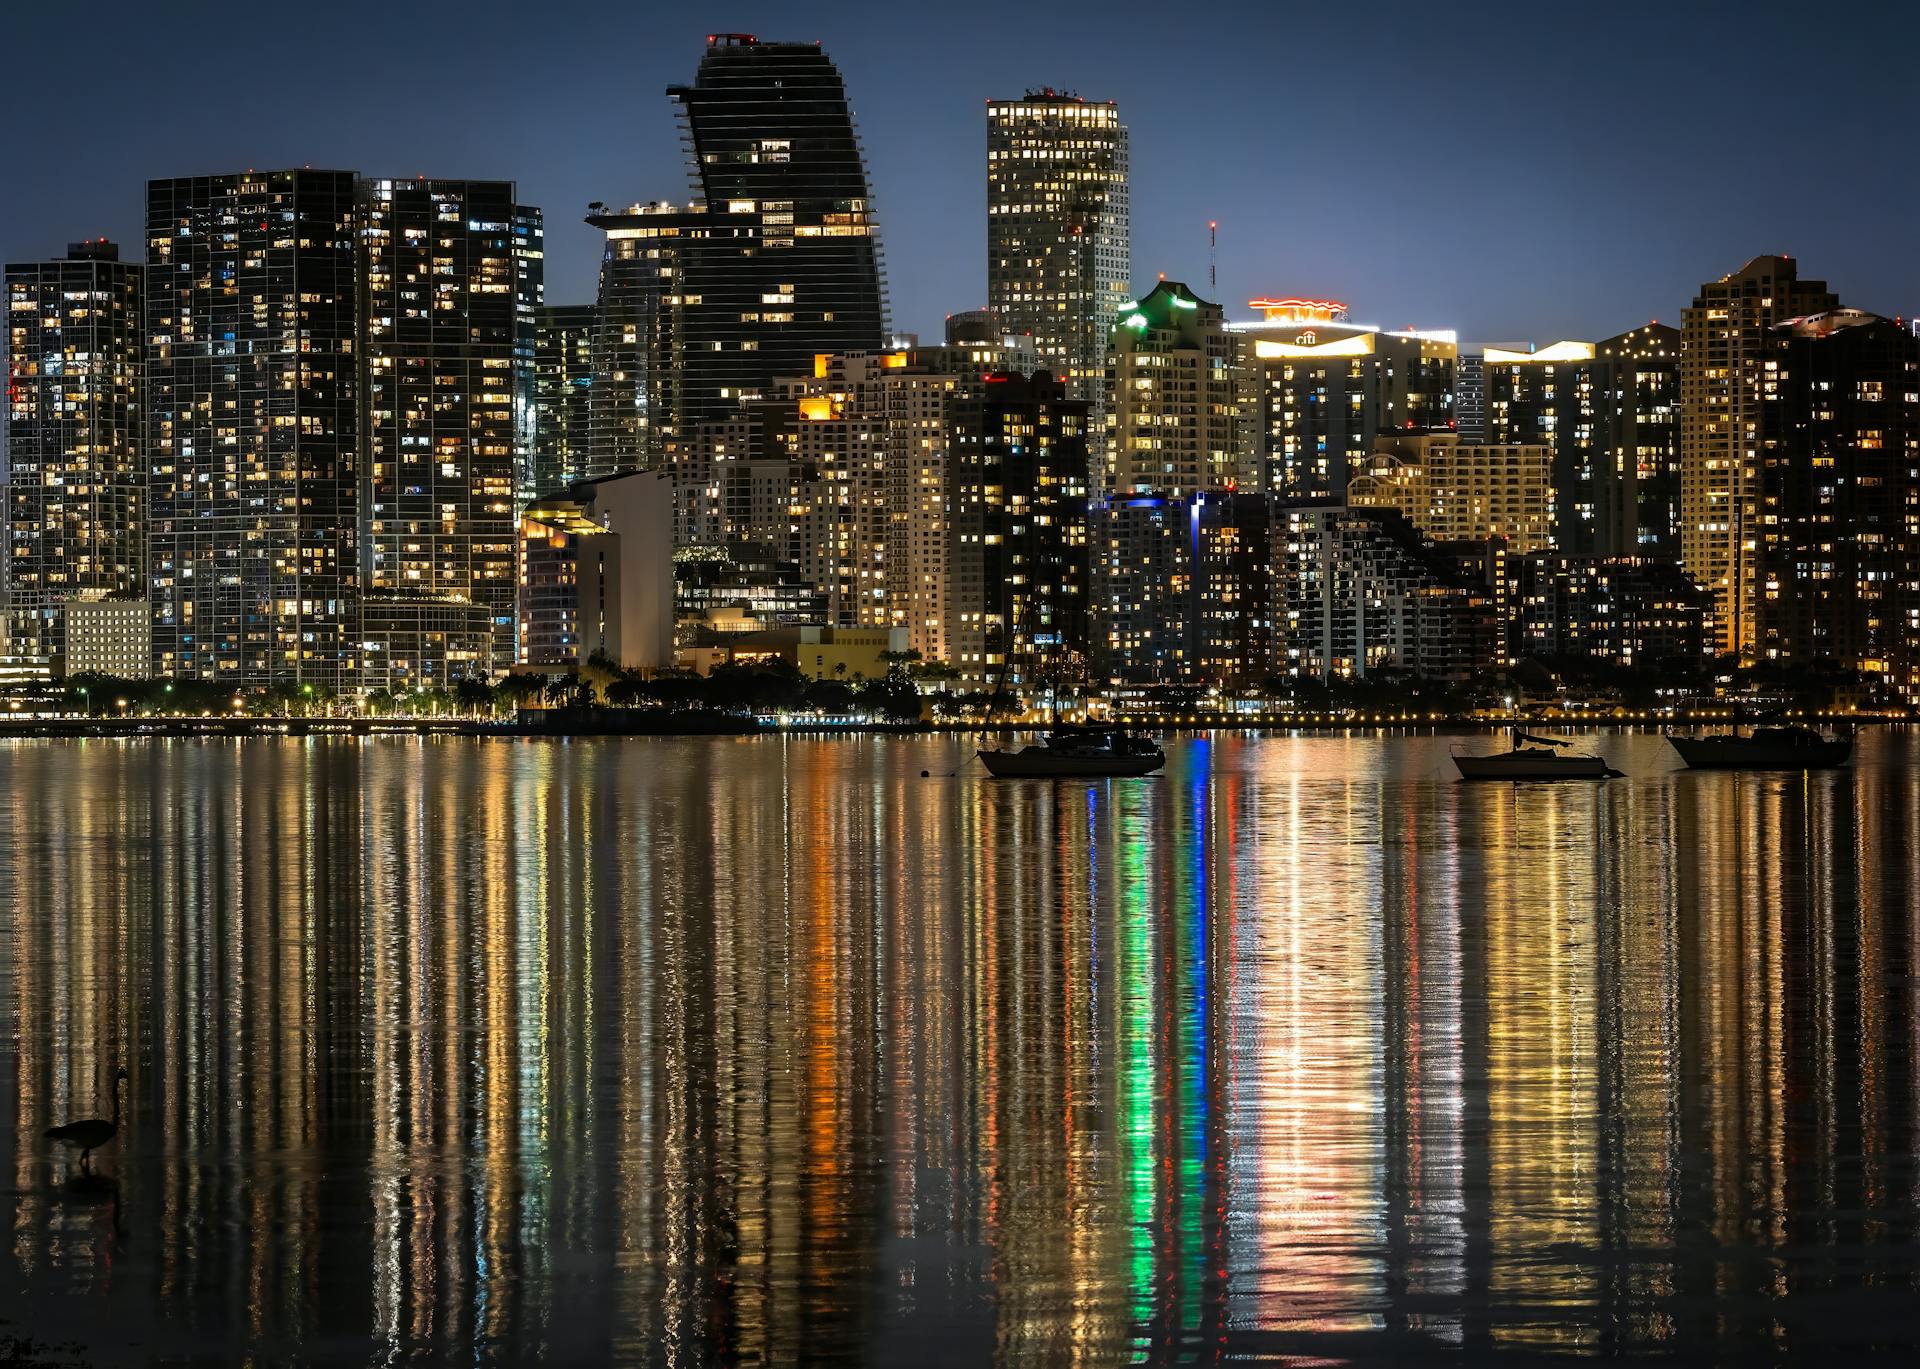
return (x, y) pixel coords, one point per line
(1636, 394)
(1018, 482)
(253, 412)
(787, 265)
(1544, 396)
(1322, 389)
(1178, 397)
(1729, 389)
(1839, 499)
(562, 394)
(73, 459)
(1059, 255)
(1455, 492)
(445, 287)
(634, 415)
(529, 298)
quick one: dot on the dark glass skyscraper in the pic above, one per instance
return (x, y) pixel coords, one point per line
(788, 266)
(253, 426)
(1839, 560)
(1018, 482)
(633, 406)
(562, 394)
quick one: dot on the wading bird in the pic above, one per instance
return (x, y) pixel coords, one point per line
(89, 1134)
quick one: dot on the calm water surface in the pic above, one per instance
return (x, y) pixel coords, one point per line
(715, 1050)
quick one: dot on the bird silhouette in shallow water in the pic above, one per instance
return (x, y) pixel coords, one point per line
(89, 1134)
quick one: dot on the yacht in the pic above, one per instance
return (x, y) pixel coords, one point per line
(1764, 748)
(1091, 752)
(1534, 758)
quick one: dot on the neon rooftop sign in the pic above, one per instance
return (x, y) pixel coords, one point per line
(1296, 309)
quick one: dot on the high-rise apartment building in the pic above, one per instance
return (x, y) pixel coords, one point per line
(1182, 588)
(634, 416)
(253, 426)
(1179, 414)
(74, 474)
(1018, 486)
(529, 298)
(1636, 424)
(444, 289)
(1544, 397)
(1632, 612)
(1459, 492)
(339, 410)
(1358, 590)
(1059, 256)
(1838, 499)
(1322, 389)
(846, 474)
(918, 396)
(787, 265)
(1730, 392)
(562, 395)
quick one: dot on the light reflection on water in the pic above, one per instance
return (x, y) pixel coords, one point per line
(709, 1049)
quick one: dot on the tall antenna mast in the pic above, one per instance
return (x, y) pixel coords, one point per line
(1213, 258)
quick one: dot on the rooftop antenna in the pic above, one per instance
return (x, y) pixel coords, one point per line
(1213, 258)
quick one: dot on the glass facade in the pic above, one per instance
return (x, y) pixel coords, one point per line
(634, 419)
(442, 274)
(1018, 473)
(1059, 255)
(253, 412)
(786, 265)
(563, 395)
(73, 460)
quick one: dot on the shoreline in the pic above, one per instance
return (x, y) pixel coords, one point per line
(729, 726)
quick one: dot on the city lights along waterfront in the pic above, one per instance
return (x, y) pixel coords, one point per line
(710, 1050)
(614, 752)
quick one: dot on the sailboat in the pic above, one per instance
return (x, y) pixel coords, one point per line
(1534, 758)
(1083, 751)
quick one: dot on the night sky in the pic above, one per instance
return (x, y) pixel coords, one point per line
(1557, 170)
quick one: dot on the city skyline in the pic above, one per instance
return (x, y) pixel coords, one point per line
(1539, 215)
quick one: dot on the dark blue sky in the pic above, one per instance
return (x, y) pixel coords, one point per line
(1544, 171)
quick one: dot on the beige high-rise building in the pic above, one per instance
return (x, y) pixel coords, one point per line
(870, 448)
(1181, 412)
(1461, 492)
(1729, 385)
(1059, 263)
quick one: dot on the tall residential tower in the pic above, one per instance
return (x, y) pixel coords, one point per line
(1059, 260)
(74, 479)
(253, 414)
(445, 287)
(1729, 396)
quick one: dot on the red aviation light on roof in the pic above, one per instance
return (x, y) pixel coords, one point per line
(1296, 309)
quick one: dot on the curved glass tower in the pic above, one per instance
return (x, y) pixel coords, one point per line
(785, 265)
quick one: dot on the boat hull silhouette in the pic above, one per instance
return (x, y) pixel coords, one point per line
(1759, 753)
(1041, 762)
